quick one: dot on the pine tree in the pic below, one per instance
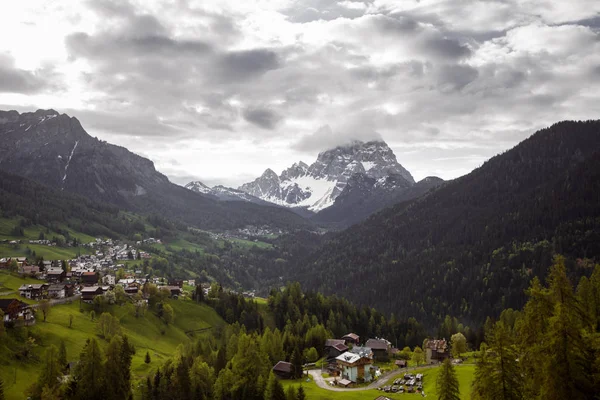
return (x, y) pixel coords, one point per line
(89, 374)
(147, 359)
(447, 382)
(113, 370)
(301, 394)
(50, 374)
(62, 355)
(274, 389)
(296, 361)
(128, 350)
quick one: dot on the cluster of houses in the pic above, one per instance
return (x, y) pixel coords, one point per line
(247, 233)
(351, 363)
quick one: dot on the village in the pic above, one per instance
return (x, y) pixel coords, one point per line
(83, 278)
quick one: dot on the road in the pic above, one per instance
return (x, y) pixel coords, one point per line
(322, 383)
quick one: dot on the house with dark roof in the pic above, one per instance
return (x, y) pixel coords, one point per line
(55, 275)
(57, 291)
(334, 347)
(34, 291)
(436, 351)
(284, 370)
(15, 309)
(380, 347)
(351, 338)
(89, 278)
(89, 293)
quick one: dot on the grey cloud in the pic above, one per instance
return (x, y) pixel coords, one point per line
(16, 80)
(455, 77)
(325, 138)
(304, 11)
(446, 48)
(111, 8)
(246, 64)
(262, 117)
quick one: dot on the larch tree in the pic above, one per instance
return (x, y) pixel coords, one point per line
(447, 382)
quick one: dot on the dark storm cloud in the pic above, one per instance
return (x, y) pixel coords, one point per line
(246, 64)
(262, 117)
(446, 48)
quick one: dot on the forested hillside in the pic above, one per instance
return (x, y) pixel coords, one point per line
(470, 248)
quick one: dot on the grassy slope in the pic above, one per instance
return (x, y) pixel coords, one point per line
(464, 374)
(144, 333)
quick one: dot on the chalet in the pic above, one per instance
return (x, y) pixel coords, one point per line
(436, 351)
(351, 338)
(34, 291)
(32, 270)
(89, 293)
(176, 282)
(15, 309)
(57, 291)
(284, 370)
(401, 363)
(174, 291)
(334, 347)
(380, 347)
(22, 261)
(356, 367)
(89, 278)
(5, 262)
(55, 275)
(133, 288)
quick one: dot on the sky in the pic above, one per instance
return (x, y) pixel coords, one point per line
(221, 90)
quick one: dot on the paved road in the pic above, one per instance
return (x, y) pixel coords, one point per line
(322, 383)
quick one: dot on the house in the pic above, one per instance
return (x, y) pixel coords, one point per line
(55, 275)
(109, 280)
(22, 261)
(89, 293)
(176, 282)
(334, 347)
(32, 270)
(89, 278)
(133, 288)
(5, 262)
(34, 291)
(401, 363)
(351, 338)
(380, 347)
(284, 370)
(57, 291)
(15, 309)
(436, 351)
(174, 291)
(356, 367)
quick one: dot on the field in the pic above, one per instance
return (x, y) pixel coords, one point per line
(148, 334)
(464, 374)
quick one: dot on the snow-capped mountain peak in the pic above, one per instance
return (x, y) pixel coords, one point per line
(199, 187)
(317, 186)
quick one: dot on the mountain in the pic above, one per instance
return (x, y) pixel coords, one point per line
(224, 193)
(55, 150)
(317, 186)
(470, 248)
(363, 196)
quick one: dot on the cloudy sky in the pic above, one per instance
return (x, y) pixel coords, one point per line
(220, 90)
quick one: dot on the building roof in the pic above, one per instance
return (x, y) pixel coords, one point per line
(55, 272)
(333, 342)
(348, 357)
(91, 289)
(352, 336)
(56, 287)
(340, 347)
(439, 345)
(89, 273)
(283, 366)
(344, 382)
(4, 303)
(362, 351)
(33, 286)
(377, 344)
(401, 363)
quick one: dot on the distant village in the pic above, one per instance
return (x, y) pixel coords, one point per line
(249, 232)
(84, 277)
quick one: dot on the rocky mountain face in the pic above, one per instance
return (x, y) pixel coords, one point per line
(55, 150)
(317, 186)
(224, 193)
